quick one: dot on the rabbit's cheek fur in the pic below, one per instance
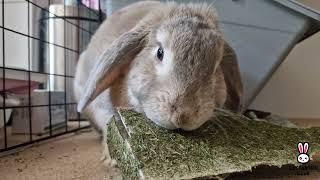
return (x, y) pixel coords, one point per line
(134, 101)
(140, 76)
(147, 92)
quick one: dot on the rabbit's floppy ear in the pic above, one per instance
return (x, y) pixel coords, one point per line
(300, 148)
(111, 62)
(232, 76)
(306, 147)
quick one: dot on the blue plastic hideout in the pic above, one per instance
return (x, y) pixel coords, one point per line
(262, 32)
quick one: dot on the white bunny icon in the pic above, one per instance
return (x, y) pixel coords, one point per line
(303, 150)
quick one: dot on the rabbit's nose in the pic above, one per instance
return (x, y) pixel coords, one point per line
(181, 120)
(173, 108)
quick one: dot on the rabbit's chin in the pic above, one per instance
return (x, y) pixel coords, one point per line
(166, 125)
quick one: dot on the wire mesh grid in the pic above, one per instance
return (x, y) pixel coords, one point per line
(40, 43)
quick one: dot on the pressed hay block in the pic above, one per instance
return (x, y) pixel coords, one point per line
(236, 143)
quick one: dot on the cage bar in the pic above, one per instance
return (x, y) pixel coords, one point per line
(30, 74)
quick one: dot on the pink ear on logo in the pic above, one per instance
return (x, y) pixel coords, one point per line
(300, 148)
(306, 147)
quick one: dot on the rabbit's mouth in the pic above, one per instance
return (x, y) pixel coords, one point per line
(168, 125)
(165, 124)
(155, 118)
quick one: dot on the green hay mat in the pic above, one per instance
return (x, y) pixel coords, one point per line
(229, 143)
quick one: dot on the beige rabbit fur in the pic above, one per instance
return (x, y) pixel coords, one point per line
(198, 73)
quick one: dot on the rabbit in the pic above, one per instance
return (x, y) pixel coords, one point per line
(168, 61)
(303, 150)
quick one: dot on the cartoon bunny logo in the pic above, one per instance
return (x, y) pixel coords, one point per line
(303, 150)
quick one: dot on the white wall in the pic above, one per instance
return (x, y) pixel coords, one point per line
(16, 46)
(294, 90)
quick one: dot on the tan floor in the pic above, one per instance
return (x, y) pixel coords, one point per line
(16, 139)
(74, 157)
(77, 157)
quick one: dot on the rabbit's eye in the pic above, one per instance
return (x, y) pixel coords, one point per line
(160, 54)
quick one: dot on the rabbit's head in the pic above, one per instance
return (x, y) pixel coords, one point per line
(303, 150)
(173, 57)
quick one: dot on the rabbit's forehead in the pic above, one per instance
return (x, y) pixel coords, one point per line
(193, 47)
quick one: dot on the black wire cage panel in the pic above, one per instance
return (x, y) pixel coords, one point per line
(40, 42)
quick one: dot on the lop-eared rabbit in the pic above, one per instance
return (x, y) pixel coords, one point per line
(167, 60)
